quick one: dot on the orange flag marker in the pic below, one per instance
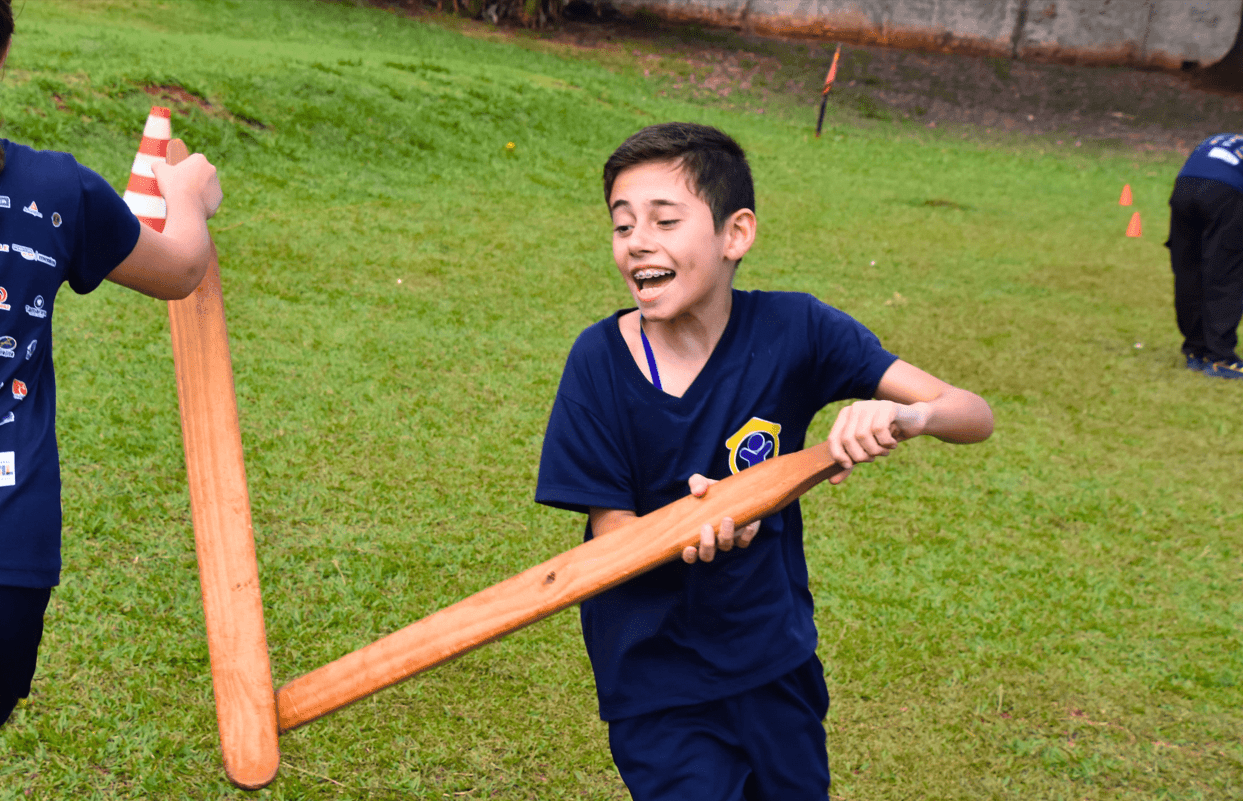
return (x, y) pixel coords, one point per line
(828, 87)
(1125, 199)
(1134, 228)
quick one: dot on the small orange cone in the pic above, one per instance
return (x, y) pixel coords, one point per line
(1133, 228)
(1125, 199)
(142, 195)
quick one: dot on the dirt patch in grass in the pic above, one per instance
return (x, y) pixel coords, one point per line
(178, 96)
(180, 99)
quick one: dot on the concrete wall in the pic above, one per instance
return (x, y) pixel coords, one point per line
(1199, 30)
(1159, 33)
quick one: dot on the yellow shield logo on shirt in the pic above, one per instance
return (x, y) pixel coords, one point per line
(753, 443)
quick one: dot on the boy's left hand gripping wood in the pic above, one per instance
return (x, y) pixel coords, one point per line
(220, 509)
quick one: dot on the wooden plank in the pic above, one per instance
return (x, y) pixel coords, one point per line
(562, 581)
(223, 537)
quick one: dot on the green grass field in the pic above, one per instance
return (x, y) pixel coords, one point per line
(1054, 614)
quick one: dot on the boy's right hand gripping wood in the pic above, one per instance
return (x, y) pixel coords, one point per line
(220, 508)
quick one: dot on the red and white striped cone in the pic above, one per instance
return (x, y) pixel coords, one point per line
(142, 194)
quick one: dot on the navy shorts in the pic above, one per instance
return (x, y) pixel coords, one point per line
(766, 744)
(21, 629)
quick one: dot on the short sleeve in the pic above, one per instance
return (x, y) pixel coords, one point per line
(106, 234)
(583, 462)
(849, 358)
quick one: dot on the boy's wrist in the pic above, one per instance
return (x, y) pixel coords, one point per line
(912, 419)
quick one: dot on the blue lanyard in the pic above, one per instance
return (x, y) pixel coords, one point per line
(651, 357)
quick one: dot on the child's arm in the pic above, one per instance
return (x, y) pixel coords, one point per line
(909, 402)
(169, 266)
(604, 521)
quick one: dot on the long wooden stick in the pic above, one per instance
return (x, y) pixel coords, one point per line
(223, 538)
(579, 573)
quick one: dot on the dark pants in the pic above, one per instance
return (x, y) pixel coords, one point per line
(763, 745)
(1206, 253)
(21, 628)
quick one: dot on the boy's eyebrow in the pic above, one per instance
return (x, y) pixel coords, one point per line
(659, 202)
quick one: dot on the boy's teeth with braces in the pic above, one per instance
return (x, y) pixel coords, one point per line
(649, 273)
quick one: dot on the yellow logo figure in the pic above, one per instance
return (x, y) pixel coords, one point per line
(753, 443)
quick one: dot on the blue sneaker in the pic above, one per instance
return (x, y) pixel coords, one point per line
(1223, 370)
(1196, 363)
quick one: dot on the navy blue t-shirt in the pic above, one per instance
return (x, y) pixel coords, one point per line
(1220, 158)
(684, 634)
(59, 221)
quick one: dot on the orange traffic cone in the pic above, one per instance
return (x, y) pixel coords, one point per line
(142, 195)
(1133, 228)
(1125, 199)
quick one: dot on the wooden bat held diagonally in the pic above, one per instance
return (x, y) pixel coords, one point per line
(562, 581)
(224, 541)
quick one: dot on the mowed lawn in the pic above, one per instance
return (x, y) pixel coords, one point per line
(1054, 614)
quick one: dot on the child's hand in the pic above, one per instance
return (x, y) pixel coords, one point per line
(868, 429)
(710, 542)
(171, 264)
(191, 185)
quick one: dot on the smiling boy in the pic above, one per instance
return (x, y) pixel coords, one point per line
(706, 670)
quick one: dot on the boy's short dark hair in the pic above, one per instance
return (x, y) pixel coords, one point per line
(714, 164)
(6, 22)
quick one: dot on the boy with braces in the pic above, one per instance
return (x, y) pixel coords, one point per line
(706, 669)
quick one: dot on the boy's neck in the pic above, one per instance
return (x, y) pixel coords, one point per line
(681, 345)
(691, 335)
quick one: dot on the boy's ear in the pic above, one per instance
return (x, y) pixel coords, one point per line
(740, 234)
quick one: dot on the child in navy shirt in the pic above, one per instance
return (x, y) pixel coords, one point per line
(59, 222)
(706, 669)
(1206, 254)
